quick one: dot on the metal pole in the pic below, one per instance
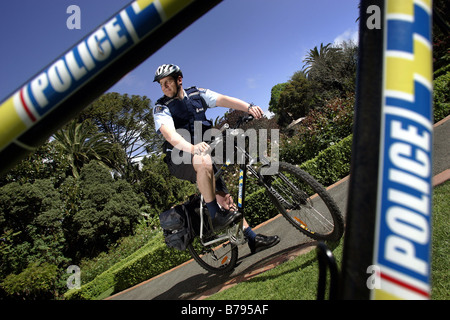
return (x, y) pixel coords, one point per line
(388, 244)
(68, 84)
(362, 194)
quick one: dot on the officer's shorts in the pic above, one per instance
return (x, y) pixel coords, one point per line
(185, 170)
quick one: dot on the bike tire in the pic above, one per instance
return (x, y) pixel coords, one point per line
(313, 213)
(206, 256)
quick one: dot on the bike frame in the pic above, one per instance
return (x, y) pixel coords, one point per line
(235, 232)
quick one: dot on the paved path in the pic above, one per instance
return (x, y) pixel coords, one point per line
(189, 281)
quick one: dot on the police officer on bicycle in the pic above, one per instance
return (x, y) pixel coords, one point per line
(181, 108)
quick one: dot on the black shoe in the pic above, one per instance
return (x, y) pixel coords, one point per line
(262, 242)
(224, 218)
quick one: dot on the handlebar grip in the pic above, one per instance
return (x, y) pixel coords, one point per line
(243, 119)
(248, 118)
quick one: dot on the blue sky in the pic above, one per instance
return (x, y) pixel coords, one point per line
(240, 48)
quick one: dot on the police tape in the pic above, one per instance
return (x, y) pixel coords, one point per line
(403, 224)
(82, 65)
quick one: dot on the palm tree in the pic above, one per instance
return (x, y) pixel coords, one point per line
(81, 145)
(316, 55)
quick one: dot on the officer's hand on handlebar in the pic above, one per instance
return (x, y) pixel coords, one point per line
(255, 111)
(201, 148)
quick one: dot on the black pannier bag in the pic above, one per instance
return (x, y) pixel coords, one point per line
(176, 227)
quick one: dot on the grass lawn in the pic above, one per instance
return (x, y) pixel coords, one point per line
(297, 279)
(440, 256)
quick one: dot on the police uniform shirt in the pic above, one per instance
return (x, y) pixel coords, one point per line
(162, 115)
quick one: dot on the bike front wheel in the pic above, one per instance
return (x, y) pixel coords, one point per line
(305, 203)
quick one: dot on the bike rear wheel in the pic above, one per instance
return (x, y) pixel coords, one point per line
(305, 203)
(218, 258)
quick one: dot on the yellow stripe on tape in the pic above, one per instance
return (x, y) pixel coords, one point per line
(399, 75)
(404, 7)
(172, 7)
(384, 295)
(11, 125)
(422, 58)
(144, 3)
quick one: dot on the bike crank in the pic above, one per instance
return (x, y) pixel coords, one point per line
(236, 233)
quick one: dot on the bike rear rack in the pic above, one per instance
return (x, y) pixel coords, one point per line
(327, 260)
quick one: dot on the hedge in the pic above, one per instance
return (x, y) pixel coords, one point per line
(259, 207)
(155, 257)
(331, 164)
(143, 267)
(328, 167)
(150, 260)
(441, 96)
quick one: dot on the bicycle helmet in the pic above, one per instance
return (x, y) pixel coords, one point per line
(166, 70)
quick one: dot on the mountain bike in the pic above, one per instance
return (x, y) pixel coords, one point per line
(302, 200)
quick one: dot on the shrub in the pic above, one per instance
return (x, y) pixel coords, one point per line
(332, 164)
(30, 226)
(103, 210)
(328, 167)
(34, 282)
(150, 260)
(259, 207)
(146, 265)
(321, 128)
(121, 250)
(441, 97)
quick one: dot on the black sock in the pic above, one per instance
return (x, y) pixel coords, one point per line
(250, 234)
(213, 207)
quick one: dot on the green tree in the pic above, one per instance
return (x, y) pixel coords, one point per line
(275, 97)
(332, 69)
(127, 121)
(36, 282)
(317, 56)
(31, 218)
(296, 99)
(441, 39)
(161, 189)
(105, 210)
(80, 144)
(45, 163)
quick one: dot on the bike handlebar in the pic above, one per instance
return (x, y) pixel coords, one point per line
(241, 120)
